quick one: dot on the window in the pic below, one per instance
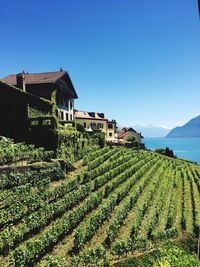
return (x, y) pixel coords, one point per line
(84, 125)
(99, 125)
(62, 115)
(71, 104)
(110, 134)
(110, 126)
(93, 125)
(67, 116)
(66, 104)
(71, 117)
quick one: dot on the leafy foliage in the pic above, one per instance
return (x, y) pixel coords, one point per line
(165, 255)
(12, 153)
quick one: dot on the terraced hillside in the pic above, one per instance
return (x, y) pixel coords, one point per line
(116, 203)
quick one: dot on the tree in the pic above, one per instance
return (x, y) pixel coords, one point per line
(80, 128)
(100, 137)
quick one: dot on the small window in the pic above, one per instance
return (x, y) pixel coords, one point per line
(84, 125)
(57, 113)
(99, 126)
(62, 115)
(71, 104)
(67, 116)
(110, 126)
(93, 125)
(110, 134)
(71, 117)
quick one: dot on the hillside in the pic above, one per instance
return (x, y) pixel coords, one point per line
(116, 202)
(190, 129)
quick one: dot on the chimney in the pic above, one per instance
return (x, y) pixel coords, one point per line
(21, 81)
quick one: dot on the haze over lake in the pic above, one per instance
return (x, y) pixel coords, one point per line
(186, 148)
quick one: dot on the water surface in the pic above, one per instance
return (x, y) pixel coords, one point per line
(186, 148)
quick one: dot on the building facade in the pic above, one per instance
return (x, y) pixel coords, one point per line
(112, 130)
(93, 121)
(38, 104)
(126, 133)
(56, 87)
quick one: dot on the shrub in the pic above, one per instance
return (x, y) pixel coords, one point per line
(100, 138)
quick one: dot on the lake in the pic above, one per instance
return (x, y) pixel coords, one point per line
(186, 148)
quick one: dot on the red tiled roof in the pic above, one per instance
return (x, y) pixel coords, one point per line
(125, 131)
(33, 78)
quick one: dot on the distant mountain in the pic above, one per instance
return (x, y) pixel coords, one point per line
(151, 130)
(190, 129)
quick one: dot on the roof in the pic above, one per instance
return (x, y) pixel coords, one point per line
(90, 115)
(124, 131)
(41, 78)
(34, 78)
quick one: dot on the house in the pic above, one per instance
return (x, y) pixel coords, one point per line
(125, 133)
(93, 121)
(32, 105)
(56, 87)
(112, 130)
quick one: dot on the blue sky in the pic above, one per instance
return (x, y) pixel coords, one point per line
(136, 61)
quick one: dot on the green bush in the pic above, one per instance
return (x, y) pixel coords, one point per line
(166, 255)
(99, 138)
(39, 176)
(80, 128)
(13, 153)
(166, 152)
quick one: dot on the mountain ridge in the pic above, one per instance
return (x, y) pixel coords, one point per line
(189, 129)
(151, 131)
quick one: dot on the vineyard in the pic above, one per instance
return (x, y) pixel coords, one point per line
(117, 203)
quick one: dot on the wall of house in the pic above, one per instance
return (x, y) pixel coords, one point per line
(41, 90)
(13, 115)
(16, 108)
(111, 131)
(34, 111)
(65, 107)
(59, 93)
(138, 138)
(94, 124)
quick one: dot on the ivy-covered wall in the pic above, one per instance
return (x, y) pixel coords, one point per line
(35, 112)
(70, 142)
(43, 90)
(16, 107)
(25, 117)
